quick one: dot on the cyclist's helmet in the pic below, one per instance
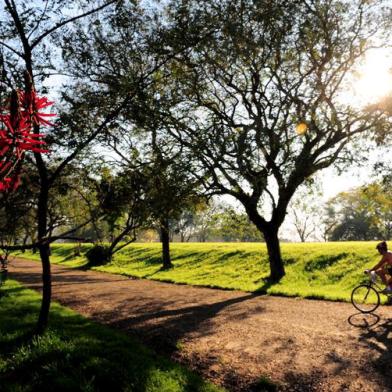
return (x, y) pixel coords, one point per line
(382, 246)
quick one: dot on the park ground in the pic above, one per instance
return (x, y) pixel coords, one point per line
(236, 339)
(313, 270)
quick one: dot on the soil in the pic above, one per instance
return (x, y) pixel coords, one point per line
(235, 338)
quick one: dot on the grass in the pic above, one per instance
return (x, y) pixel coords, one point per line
(77, 354)
(313, 270)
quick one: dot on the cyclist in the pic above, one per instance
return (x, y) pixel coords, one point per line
(384, 266)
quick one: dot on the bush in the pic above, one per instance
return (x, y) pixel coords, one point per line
(98, 255)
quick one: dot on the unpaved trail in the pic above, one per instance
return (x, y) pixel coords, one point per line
(232, 337)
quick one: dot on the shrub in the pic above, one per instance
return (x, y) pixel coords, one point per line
(98, 255)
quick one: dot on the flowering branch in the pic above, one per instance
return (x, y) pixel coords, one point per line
(17, 134)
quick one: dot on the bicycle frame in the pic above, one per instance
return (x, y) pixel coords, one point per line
(376, 285)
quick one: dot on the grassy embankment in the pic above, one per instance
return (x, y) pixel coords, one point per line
(313, 270)
(77, 354)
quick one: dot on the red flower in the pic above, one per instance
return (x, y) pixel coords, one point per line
(17, 137)
(32, 104)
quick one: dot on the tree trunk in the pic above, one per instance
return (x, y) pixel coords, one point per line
(275, 257)
(270, 233)
(46, 289)
(44, 247)
(24, 242)
(165, 239)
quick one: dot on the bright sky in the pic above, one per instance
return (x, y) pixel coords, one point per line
(374, 79)
(372, 83)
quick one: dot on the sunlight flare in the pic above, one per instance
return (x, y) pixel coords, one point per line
(375, 77)
(301, 128)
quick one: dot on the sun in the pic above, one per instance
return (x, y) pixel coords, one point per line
(374, 79)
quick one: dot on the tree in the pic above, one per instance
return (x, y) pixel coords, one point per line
(329, 222)
(232, 225)
(304, 211)
(16, 214)
(205, 221)
(355, 219)
(184, 226)
(124, 208)
(26, 29)
(303, 220)
(364, 213)
(378, 198)
(258, 103)
(170, 192)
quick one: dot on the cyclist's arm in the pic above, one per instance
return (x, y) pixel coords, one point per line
(379, 264)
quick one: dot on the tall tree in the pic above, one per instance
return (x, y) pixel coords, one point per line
(259, 103)
(184, 226)
(171, 191)
(25, 32)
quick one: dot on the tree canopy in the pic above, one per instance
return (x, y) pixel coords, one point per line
(259, 103)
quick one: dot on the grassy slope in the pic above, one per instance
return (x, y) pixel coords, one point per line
(320, 270)
(77, 354)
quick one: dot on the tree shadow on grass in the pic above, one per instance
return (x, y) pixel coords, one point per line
(186, 255)
(323, 261)
(266, 284)
(7, 292)
(91, 360)
(17, 340)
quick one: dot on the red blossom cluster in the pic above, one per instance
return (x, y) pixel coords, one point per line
(17, 134)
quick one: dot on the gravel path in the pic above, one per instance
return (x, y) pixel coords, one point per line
(233, 337)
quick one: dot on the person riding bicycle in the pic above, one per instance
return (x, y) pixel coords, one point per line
(384, 266)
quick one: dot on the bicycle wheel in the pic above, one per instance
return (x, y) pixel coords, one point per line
(365, 298)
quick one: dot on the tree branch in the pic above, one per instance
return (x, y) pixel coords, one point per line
(12, 49)
(63, 23)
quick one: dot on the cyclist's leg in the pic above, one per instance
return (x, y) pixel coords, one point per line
(389, 279)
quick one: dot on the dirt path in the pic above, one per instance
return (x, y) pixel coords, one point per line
(232, 337)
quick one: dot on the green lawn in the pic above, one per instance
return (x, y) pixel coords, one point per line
(313, 270)
(77, 354)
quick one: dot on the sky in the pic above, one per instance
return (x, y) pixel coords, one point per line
(372, 83)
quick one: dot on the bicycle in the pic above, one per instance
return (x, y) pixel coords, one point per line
(366, 296)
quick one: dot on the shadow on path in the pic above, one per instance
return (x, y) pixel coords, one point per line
(164, 328)
(60, 278)
(376, 335)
